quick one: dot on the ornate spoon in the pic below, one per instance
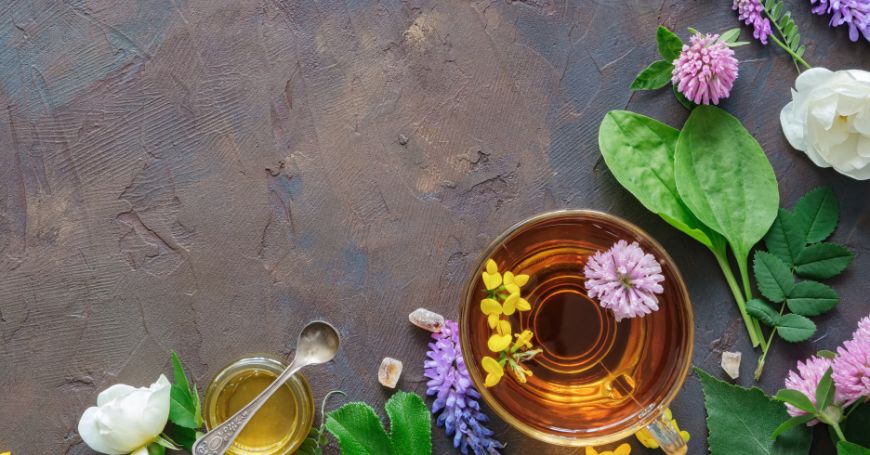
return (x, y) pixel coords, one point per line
(318, 343)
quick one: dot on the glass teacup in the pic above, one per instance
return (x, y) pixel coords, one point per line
(597, 380)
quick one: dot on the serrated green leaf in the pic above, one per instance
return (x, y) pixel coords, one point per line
(826, 354)
(654, 76)
(795, 328)
(740, 421)
(848, 448)
(821, 261)
(795, 398)
(669, 44)
(179, 377)
(359, 430)
(772, 276)
(857, 424)
(182, 408)
(791, 423)
(811, 298)
(825, 391)
(730, 36)
(786, 237)
(763, 312)
(818, 212)
(410, 424)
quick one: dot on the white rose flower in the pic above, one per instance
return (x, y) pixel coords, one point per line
(829, 119)
(126, 419)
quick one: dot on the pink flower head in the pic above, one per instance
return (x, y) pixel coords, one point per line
(806, 379)
(852, 365)
(705, 70)
(752, 13)
(625, 280)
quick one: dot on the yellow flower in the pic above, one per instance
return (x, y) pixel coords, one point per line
(523, 339)
(492, 309)
(494, 371)
(513, 283)
(623, 449)
(647, 439)
(491, 277)
(514, 301)
(500, 340)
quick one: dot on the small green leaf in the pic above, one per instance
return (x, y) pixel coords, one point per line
(822, 261)
(182, 408)
(410, 424)
(156, 449)
(818, 212)
(359, 430)
(654, 76)
(811, 298)
(848, 448)
(795, 398)
(763, 312)
(791, 423)
(740, 421)
(669, 44)
(825, 391)
(179, 377)
(185, 437)
(857, 424)
(773, 277)
(786, 237)
(795, 328)
(826, 354)
(730, 36)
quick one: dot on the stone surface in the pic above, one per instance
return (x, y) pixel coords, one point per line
(209, 175)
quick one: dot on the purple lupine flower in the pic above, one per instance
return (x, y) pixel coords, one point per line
(752, 13)
(852, 366)
(455, 395)
(705, 70)
(854, 13)
(625, 280)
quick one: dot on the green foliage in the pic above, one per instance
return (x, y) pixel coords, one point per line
(654, 76)
(359, 430)
(668, 43)
(185, 409)
(848, 448)
(786, 238)
(818, 212)
(822, 261)
(795, 328)
(763, 312)
(772, 276)
(316, 439)
(811, 298)
(858, 423)
(740, 421)
(785, 26)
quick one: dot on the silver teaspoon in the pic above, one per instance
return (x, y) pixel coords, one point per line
(318, 342)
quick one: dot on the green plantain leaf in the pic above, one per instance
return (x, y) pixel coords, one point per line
(654, 76)
(763, 312)
(822, 261)
(669, 44)
(811, 298)
(725, 179)
(625, 139)
(410, 424)
(795, 328)
(786, 237)
(740, 421)
(818, 211)
(359, 430)
(772, 276)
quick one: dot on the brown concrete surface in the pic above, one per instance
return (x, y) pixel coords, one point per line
(208, 175)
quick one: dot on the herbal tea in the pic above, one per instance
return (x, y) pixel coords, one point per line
(595, 376)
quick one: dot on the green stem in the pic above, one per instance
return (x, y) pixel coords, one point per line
(751, 325)
(766, 349)
(836, 427)
(743, 265)
(794, 56)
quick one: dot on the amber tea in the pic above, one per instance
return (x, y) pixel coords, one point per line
(596, 378)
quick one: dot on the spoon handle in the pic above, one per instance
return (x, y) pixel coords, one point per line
(221, 437)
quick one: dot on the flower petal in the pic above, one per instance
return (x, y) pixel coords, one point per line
(523, 304)
(491, 280)
(490, 306)
(491, 267)
(504, 327)
(492, 320)
(623, 449)
(498, 343)
(492, 380)
(510, 304)
(491, 366)
(521, 280)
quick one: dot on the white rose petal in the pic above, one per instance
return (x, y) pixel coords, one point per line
(829, 119)
(126, 419)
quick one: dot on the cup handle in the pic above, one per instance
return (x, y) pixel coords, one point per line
(668, 437)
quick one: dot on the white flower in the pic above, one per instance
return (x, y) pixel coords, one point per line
(829, 119)
(126, 419)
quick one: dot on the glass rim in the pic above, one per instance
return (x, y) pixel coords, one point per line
(648, 415)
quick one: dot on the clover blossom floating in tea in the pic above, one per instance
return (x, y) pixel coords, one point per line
(625, 279)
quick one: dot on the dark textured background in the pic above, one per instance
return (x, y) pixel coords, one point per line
(207, 176)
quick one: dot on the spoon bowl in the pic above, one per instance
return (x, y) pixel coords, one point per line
(318, 343)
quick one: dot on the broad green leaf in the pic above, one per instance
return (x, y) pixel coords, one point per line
(822, 261)
(795, 328)
(811, 298)
(740, 421)
(791, 423)
(825, 391)
(654, 76)
(182, 409)
(818, 212)
(763, 312)
(410, 424)
(848, 448)
(359, 430)
(786, 237)
(669, 44)
(795, 398)
(179, 377)
(625, 139)
(857, 424)
(772, 276)
(725, 179)
(730, 36)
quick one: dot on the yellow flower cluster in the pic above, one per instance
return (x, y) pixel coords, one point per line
(623, 449)
(646, 438)
(504, 298)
